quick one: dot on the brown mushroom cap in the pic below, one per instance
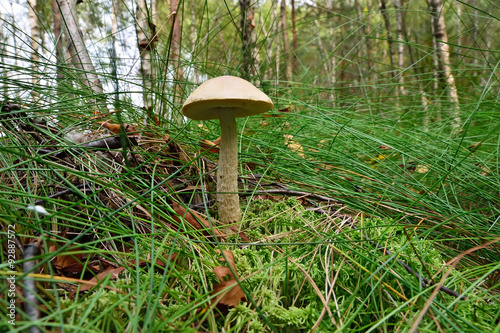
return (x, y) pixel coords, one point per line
(225, 94)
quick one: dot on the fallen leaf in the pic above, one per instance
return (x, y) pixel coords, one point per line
(222, 271)
(117, 128)
(212, 147)
(192, 218)
(231, 297)
(281, 113)
(233, 293)
(229, 258)
(114, 272)
(67, 263)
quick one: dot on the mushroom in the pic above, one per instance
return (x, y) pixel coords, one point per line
(227, 98)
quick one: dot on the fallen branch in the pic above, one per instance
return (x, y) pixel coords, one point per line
(114, 142)
(61, 193)
(30, 291)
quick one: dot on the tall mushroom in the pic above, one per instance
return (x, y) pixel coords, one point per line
(227, 98)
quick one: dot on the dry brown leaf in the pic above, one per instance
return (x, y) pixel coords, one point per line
(67, 263)
(212, 147)
(234, 294)
(192, 218)
(229, 258)
(114, 272)
(222, 271)
(117, 128)
(186, 215)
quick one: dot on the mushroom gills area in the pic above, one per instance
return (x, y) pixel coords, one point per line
(227, 175)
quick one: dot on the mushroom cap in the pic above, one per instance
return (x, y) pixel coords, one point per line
(225, 94)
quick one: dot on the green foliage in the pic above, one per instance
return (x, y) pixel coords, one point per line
(397, 166)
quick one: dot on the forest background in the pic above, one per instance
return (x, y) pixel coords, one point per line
(385, 135)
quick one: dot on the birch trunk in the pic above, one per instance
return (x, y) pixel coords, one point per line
(286, 42)
(114, 71)
(59, 45)
(294, 37)
(401, 45)
(269, 38)
(3, 53)
(443, 57)
(249, 63)
(146, 42)
(174, 56)
(35, 44)
(79, 55)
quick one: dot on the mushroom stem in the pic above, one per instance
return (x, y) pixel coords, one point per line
(227, 174)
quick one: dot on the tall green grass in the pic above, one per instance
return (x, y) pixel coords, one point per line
(404, 175)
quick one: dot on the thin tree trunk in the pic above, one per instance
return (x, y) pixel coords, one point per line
(459, 31)
(443, 57)
(194, 39)
(278, 45)
(269, 38)
(475, 34)
(59, 48)
(79, 55)
(294, 37)
(247, 26)
(390, 46)
(329, 62)
(387, 22)
(401, 45)
(286, 42)
(113, 54)
(175, 53)
(365, 30)
(3, 44)
(35, 44)
(146, 42)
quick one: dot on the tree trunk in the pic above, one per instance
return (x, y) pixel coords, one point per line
(329, 62)
(278, 45)
(365, 30)
(113, 54)
(459, 32)
(174, 56)
(35, 43)
(59, 45)
(146, 42)
(78, 52)
(401, 45)
(475, 34)
(269, 38)
(443, 57)
(387, 22)
(247, 26)
(3, 53)
(286, 42)
(294, 38)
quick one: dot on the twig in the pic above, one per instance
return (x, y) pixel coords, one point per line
(30, 251)
(60, 194)
(113, 142)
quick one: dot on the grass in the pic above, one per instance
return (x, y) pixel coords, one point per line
(397, 173)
